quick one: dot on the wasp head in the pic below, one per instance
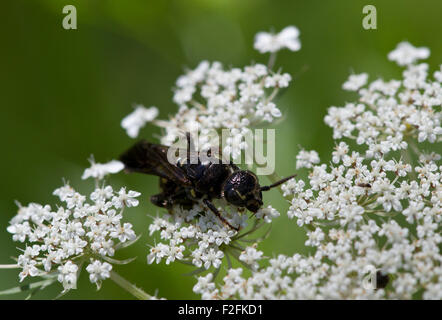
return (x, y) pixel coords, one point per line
(242, 189)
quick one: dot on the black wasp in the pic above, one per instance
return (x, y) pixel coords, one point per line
(188, 183)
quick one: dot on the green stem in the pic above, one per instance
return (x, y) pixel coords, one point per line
(129, 287)
(408, 159)
(9, 266)
(272, 60)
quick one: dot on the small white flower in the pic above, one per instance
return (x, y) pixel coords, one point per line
(100, 170)
(98, 271)
(68, 275)
(355, 81)
(134, 121)
(125, 198)
(204, 284)
(124, 233)
(306, 159)
(29, 269)
(212, 257)
(405, 54)
(267, 111)
(268, 214)
(340, 152)
(315, 237)
(251, 256)
(20, 231)
(157, 253)
(287, 38)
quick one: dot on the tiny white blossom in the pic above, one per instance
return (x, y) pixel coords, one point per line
(268, 214)
(306, 159)
(126, 198)
(355, 81)
(268, 111)
(133, 122)
(405, 54)
(100, 170)
(286, 38)
(98, 271)
(251, 256)
(68, 275)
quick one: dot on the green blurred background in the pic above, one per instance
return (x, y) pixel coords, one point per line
(64, 93)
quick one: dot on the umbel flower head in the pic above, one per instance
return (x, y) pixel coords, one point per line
(211, 98)
(373, 213)
(81, 230)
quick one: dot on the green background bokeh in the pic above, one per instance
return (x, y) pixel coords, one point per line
(64, 93)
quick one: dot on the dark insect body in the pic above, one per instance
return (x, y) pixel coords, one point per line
(381, 280)
(188, 183)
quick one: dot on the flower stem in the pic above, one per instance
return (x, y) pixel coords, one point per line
(272, 60)
(9, 266)
(129, 287)
(408, 159)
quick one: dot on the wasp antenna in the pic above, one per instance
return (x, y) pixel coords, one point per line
(277, 183)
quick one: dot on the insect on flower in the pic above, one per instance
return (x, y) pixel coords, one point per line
(188, 183)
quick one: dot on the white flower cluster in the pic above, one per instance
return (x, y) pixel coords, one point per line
(197, 237)
(390, 113)
(211, 98)
(369, 210)
(59, 241)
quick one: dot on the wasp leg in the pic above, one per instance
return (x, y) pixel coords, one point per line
(167, 200)
(160, 200)
(277, 183)
(218, 214)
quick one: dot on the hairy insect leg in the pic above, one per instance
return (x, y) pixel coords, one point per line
(277, 183)
(160, 200)
(218, 214)
(167, 200)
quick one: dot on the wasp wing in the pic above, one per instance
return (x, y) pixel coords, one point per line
(150, 158)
